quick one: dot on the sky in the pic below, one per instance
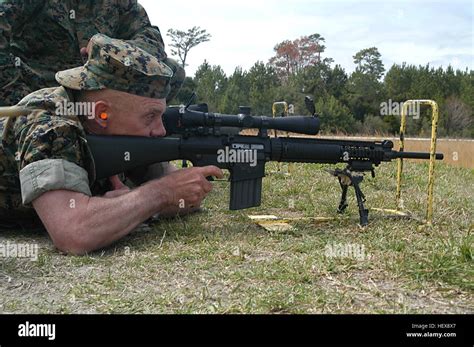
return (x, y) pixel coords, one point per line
(246, 31)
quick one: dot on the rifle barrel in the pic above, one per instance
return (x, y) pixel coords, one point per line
(417, 155)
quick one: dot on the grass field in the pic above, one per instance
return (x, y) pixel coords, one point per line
(218, 261)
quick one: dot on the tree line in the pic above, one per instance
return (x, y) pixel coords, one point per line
(349, 103)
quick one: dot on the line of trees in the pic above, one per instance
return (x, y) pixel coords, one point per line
(347, 103)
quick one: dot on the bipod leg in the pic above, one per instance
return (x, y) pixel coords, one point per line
(343, 203)
(345, 180)
(363, 212)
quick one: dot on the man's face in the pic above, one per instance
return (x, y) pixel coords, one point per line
(129, 114)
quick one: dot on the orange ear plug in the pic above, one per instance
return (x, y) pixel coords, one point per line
(103, 116)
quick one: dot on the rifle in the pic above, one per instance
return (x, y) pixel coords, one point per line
(206, 138)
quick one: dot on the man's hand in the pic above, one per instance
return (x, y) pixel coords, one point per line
(186, 188)
(85, 50)
(118, 188)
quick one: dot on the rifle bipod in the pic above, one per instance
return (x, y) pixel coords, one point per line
(346, 179)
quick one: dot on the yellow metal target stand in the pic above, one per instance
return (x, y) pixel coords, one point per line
(400, 209)
(287, 110)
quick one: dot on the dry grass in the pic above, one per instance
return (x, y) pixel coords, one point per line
(218, 261)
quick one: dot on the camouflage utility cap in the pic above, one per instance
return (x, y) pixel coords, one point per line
(116, 64)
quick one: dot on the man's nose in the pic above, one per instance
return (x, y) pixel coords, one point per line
(159, 129)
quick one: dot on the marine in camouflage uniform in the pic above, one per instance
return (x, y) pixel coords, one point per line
(46, 151)
(40, 37)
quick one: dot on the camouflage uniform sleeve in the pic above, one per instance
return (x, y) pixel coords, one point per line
(51, 157)
(136, 28)
(12, 69)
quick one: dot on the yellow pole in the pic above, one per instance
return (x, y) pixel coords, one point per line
(285, 105)
(403, 126)
(275, 104)
(434, 131)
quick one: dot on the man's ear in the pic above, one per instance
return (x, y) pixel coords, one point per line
(101, 113)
